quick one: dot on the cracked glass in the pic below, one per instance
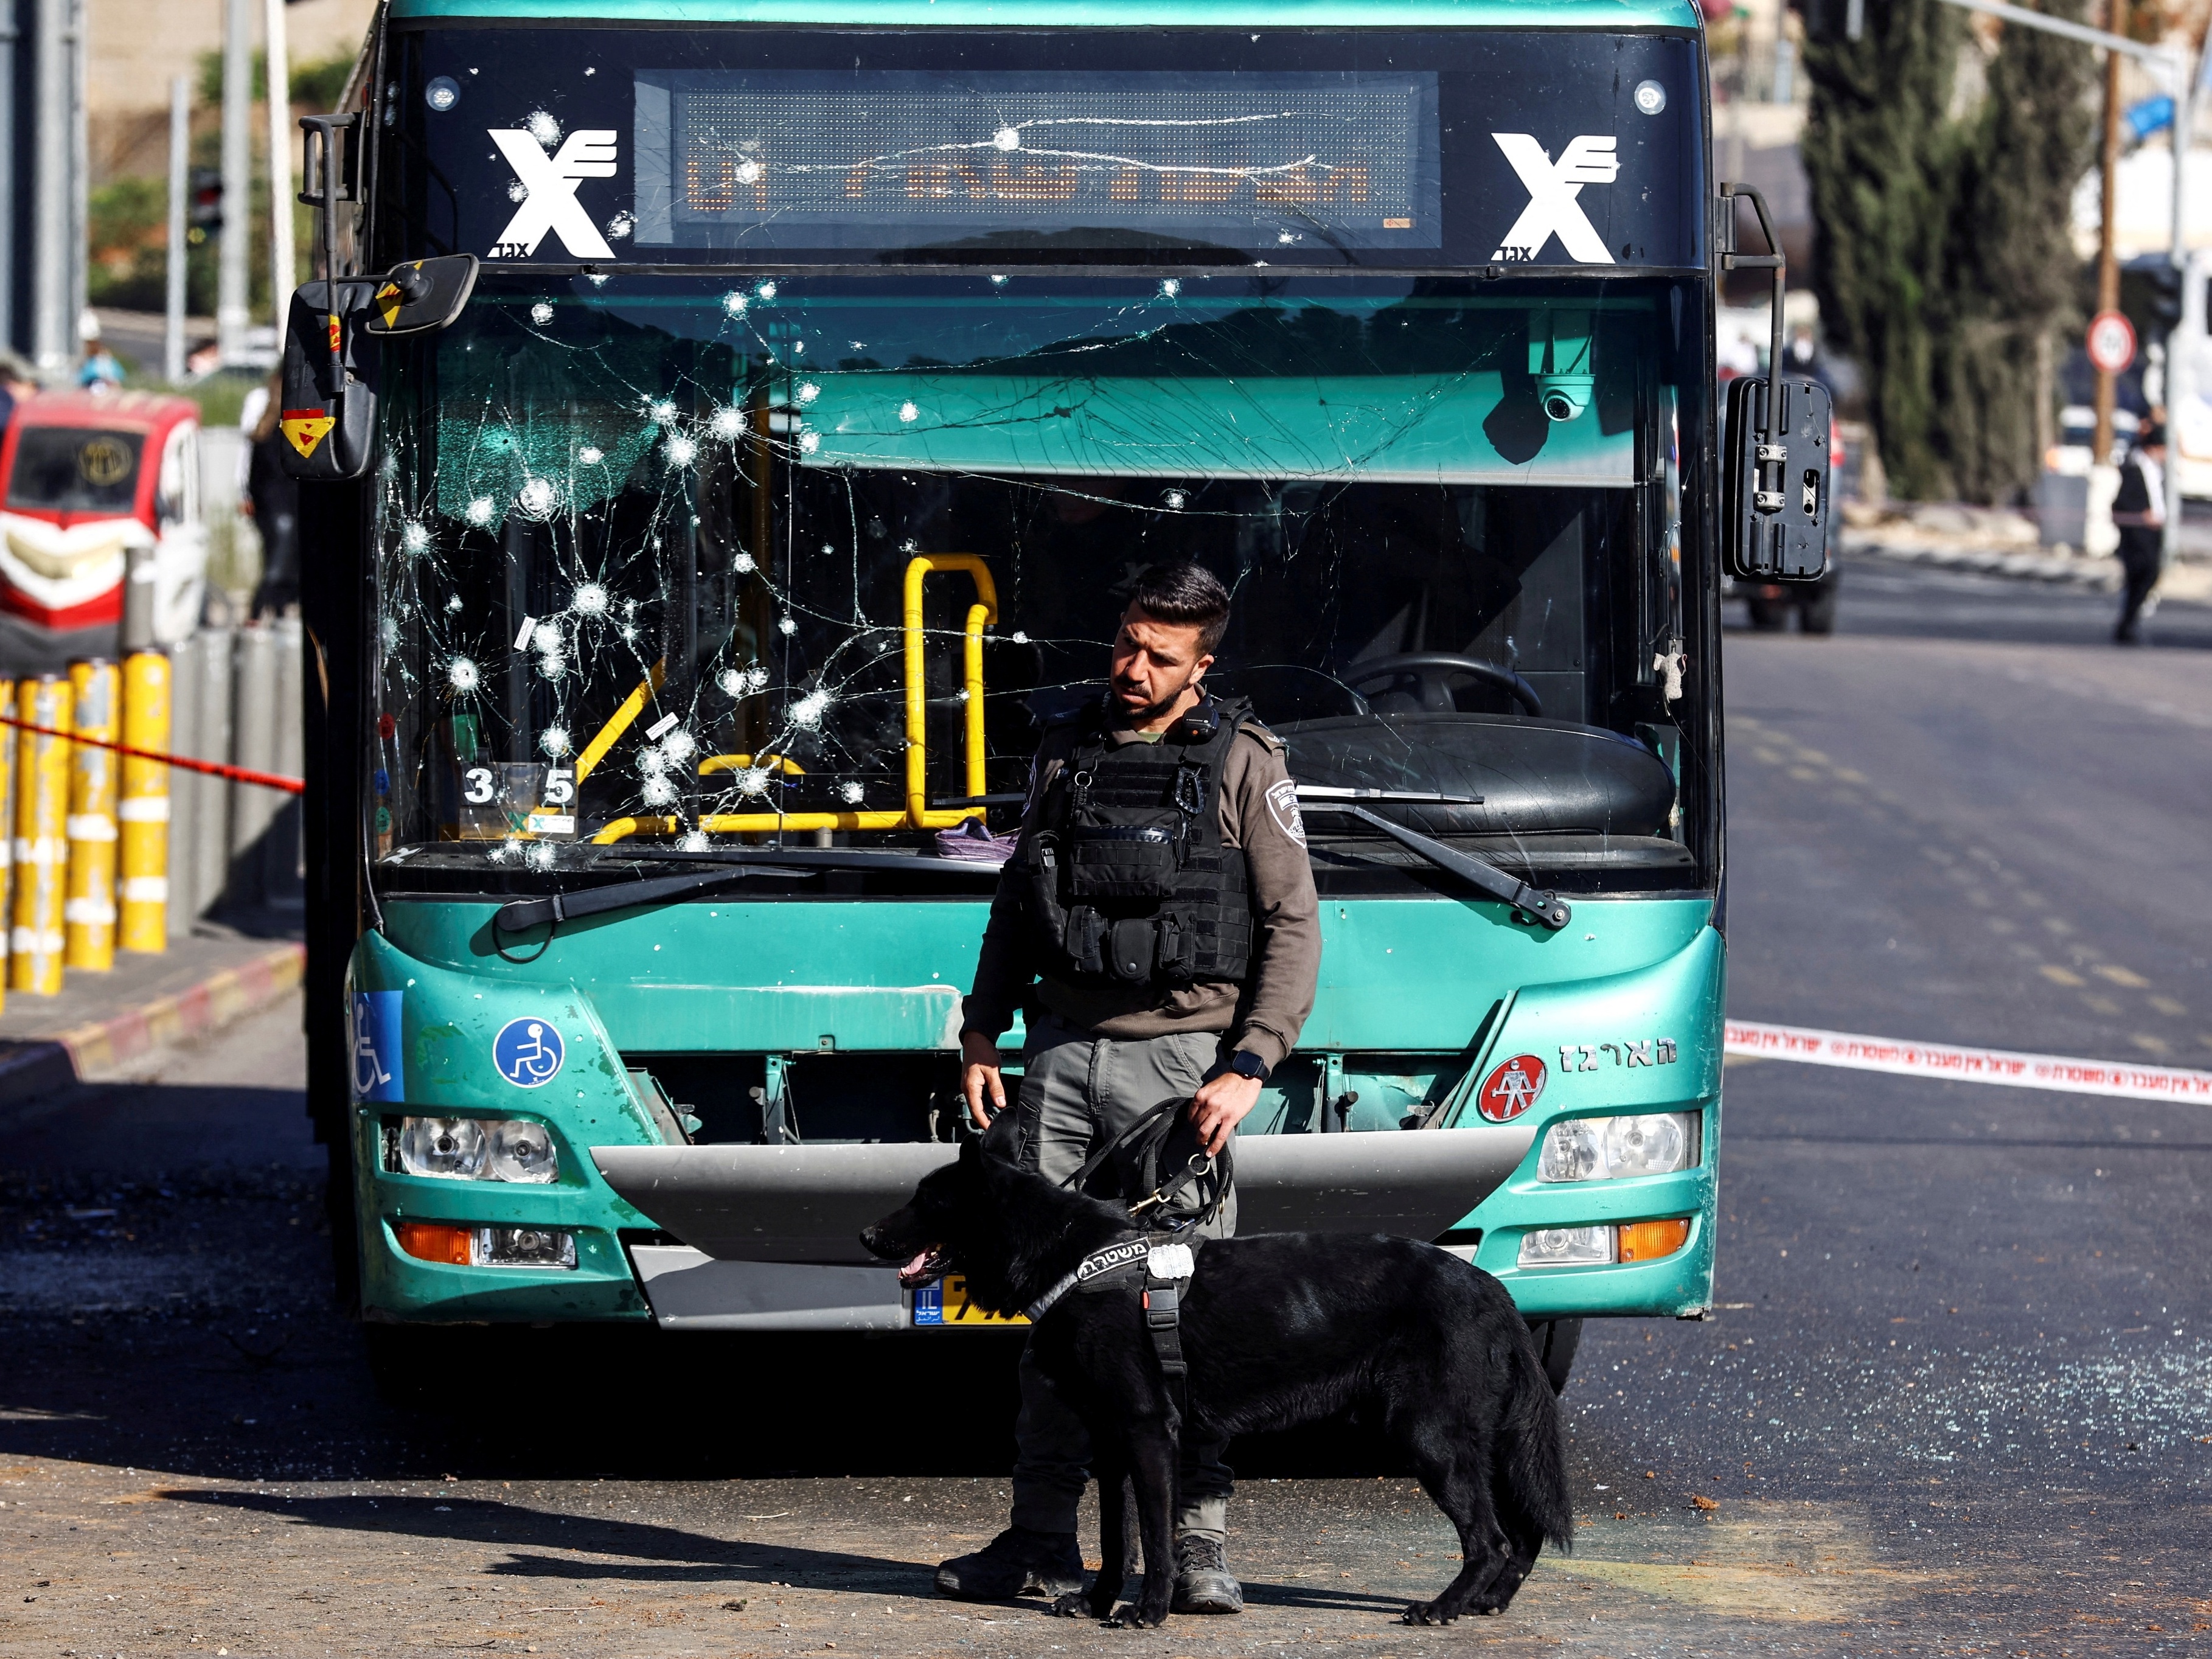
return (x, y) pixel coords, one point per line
(682, 562)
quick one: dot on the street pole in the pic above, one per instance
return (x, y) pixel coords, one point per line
(80, 202)
(2181, 379)
(9, 37)
(2108, 268)
(180, 142)
(231, 284)
(281, 278)
(53, 329)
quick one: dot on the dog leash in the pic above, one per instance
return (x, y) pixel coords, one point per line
(1159, 1123)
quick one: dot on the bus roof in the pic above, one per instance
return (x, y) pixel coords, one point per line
(1600, 15)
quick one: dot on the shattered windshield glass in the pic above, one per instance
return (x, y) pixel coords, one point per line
(681, 562)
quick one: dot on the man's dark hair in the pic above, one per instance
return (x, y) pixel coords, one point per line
(1185, 593)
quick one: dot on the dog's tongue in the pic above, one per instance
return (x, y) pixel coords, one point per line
(915, 1269)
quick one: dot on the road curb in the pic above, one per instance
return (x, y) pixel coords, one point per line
(2098, 575)
(85, 1051)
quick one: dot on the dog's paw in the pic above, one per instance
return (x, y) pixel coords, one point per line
(1074, 1604)
(1131, 1615)
(1426, 1612)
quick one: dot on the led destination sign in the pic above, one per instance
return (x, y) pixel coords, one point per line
(743, 147)
(794, 158)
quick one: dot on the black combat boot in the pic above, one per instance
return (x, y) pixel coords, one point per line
(1016, 1561)
(1203, 1581)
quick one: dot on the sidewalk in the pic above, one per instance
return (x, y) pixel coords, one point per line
(1994, 543)
(203, 982)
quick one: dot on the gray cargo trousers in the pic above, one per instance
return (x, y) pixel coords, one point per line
(1077, 1092)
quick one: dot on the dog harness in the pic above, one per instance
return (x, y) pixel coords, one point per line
(1167, 1270)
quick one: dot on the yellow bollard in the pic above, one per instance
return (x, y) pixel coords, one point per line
(42, 792)
(7, 823)
(143, 808)
(88, 912)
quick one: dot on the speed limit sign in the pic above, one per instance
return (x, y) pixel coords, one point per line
(2111, 341)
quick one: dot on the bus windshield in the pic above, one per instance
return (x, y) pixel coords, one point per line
(678, 561)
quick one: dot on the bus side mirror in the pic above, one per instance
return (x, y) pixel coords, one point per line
(422, 295)
(1779, 495)
(329, 416)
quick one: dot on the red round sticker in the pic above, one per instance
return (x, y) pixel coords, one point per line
(1512, 1088)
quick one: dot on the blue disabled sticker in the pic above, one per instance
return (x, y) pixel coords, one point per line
(527, 1052)
(378, 1068)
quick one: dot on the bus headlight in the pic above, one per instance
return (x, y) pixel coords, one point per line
(1606, 1148)
(521, 1151)
(1598, 1247)
(451, 1146)
(486, 1247)
(472, 1149)
(1567, 1247)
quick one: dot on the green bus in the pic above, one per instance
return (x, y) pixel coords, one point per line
(768, 403)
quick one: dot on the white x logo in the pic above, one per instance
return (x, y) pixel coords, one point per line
(552, 204)
(1552, 209)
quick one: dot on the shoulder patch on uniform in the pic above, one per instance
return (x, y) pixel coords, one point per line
(1283, 807)
(1252, 728)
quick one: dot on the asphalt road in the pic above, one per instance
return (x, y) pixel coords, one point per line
(1956, 1397)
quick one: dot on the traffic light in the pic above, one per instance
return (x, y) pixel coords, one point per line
(2165, 297)
(205, 213)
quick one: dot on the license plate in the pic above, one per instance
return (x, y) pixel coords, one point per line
(945, 1303)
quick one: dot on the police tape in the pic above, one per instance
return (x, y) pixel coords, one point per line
(2122, 1079)
(213, 768)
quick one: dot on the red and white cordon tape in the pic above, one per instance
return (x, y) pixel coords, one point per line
(211, 769)
(2053, 1072)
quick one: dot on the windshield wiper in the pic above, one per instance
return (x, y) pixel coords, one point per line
(1328, 792)
(524, 913)
(1549, 909)
(739, 862)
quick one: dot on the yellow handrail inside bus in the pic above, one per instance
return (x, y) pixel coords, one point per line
(731, 823)
(918, 815)
(790, 768)
(632, 706)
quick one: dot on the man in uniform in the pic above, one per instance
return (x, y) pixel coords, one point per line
(1159, 921)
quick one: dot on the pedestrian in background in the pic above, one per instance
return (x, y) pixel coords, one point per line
(272, 500)
(101, 371)
(18, 382)
(2139, 513)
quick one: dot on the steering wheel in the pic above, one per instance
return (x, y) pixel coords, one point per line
(1436, 670)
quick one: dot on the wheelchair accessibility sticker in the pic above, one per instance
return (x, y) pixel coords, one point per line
(373, 1035)
(527, 1052)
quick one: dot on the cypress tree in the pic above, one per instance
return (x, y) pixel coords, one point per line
(1941, 250)
(1880, 155)
(2013, 272)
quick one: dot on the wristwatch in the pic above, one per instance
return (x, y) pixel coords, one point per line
(1244, 1064)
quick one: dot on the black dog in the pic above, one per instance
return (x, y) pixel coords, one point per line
(1276, 1330)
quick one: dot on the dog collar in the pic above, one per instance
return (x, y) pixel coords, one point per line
(1163, 1262)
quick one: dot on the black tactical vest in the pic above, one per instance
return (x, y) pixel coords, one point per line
(1128, 881)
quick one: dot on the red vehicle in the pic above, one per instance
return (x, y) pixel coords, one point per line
(85, 479)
